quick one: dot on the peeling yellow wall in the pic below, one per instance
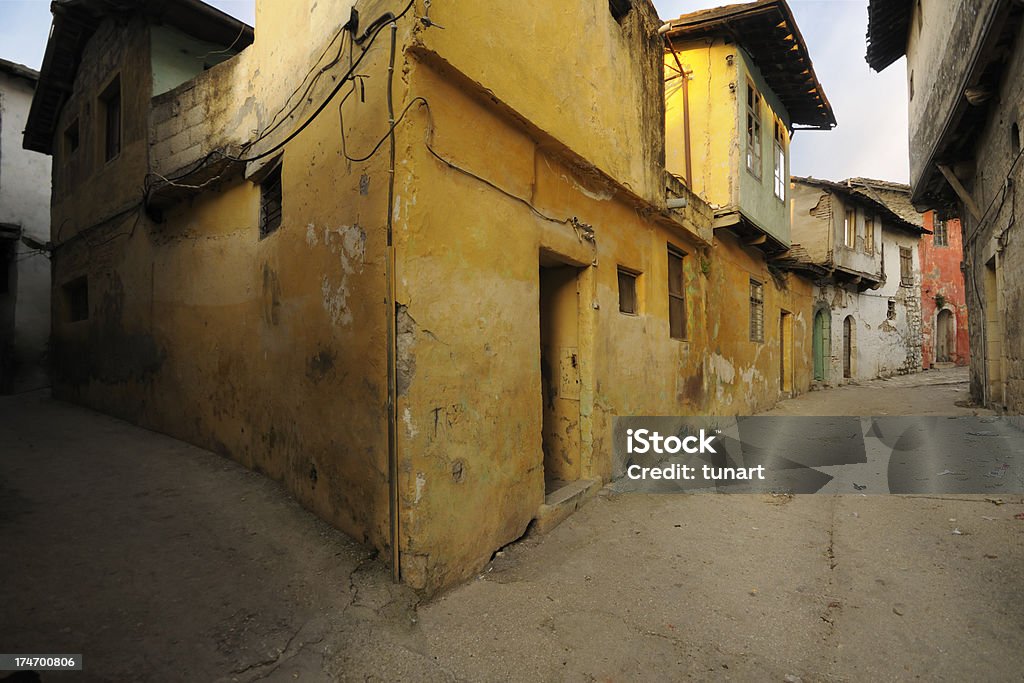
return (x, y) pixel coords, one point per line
(273, 351)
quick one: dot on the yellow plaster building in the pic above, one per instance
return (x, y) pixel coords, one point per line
(738, 82)
(411, 273)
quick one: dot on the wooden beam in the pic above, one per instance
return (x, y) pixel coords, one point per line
(960, 190)
(756, 239)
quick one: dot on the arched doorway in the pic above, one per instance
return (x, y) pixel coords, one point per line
(822, 340)
(849, 346)
(945, 336)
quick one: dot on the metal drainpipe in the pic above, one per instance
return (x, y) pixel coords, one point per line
(686, 103)
(392, 328)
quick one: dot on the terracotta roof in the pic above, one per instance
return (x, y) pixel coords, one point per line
(891, 200)
(75, 21)
(888, 23)
(767, 30)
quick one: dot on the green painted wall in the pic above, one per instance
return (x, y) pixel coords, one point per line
(177, 57)
(757, 199)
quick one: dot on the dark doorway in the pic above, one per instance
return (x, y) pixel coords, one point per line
(944, 337)
(848, 346)
(822, 341)
(560, 372)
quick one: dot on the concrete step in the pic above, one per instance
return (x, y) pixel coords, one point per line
(561, 503)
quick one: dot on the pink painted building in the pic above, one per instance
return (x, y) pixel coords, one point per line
(943, 299)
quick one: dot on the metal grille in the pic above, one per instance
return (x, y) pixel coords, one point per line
(270, 202)
(756, 311)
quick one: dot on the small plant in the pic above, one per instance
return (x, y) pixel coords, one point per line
(940, 301)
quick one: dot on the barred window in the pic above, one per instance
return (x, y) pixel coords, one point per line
(270, 202)
(940, 238)
(756, 311)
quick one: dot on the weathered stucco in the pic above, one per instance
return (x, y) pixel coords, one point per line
(512, 212)
(942, 282)
(24, 213)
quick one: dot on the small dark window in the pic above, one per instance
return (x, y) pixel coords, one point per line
(940, 238)
(270, 202)
(71, 138)
(676, 294)
(76, 297)
(110, 105)
(1015, 138)
(620, 8)
(7, 255)
(756, 311)
(627, 292)
(906, 267)
(891, 311)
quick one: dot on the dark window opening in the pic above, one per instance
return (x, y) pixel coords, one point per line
(1015, 137)
(76, 297)
(890, 313)
(270, 202)
(110, 102)
(71, 138)
(7, 255)
(676, 294)
(756, 311)
(620, 8)
(627, 292)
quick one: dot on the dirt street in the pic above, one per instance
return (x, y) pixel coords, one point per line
(934, 392)
(159, 561)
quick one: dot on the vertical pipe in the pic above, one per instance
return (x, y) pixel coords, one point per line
(392, 327)
(686, 126)
(686, 110)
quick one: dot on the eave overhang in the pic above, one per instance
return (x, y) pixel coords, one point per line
(888, 25)
(768, 32)
(74, 23)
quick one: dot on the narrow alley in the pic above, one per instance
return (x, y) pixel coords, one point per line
(232, 580)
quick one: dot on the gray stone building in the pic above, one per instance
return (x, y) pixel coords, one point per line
(965, 81)
(24, 235)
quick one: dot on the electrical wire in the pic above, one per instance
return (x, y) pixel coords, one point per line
(321, 72)
(376, 26)
(379, 26)
(380, 142)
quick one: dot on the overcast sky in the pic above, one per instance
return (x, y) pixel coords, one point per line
(870, 141)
